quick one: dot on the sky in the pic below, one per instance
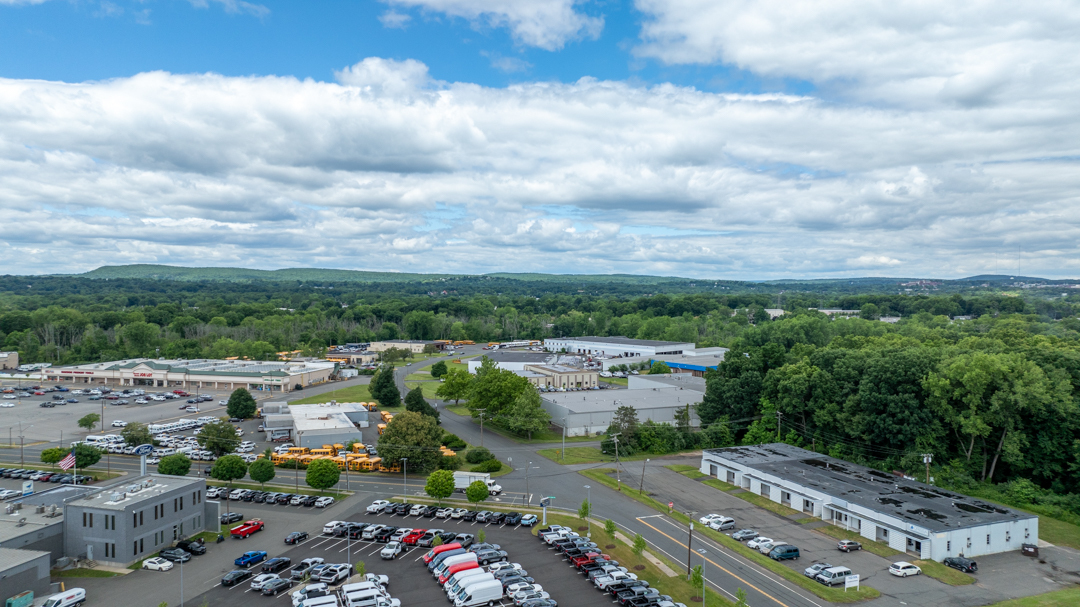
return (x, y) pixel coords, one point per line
(727, 139)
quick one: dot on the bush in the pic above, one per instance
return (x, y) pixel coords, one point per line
(450, 462)
(478, 455)
(491, 465)
(453, 441)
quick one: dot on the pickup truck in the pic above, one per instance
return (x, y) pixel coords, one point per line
(250, 558)
(243, 531)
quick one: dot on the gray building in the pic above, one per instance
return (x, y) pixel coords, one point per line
(32, 527)
(512, 360)
(591, 411)
(615, 346)
(130, 520)
(910, 516)
(313, 426)
(22, 570)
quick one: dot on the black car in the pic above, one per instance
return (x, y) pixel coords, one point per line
(961, 563)
(310, 500)
(249, 496)
(235, 577)
(484, 546)
(231, 517)
(647, 601)
(296, 537)
(430, 511)
(509, 571)
(513, 518)
(469, 516)
(356, 530)
(59, 478)
(615, 589)
(273, 587)
(175, 555)
(260, 497)
(516, 579)
(383, 535)
(192, 546)
(276, 564)
(632, 593)
(232, 420)
(402, 509)
(448, 536)
(284, 499)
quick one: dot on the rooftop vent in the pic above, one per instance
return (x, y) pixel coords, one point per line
(116, 497)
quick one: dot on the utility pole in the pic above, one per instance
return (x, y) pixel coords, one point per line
(481, 426)
(529, 465)
(562, 454)
(405, 478)
(927, 458)
(689, 542)
(618, 477)
(778, 415)
(641, 489)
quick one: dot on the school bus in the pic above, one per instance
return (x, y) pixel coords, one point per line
(298, 450)
(370, 464)
(391, 468)
(325, 451)
(381, 427)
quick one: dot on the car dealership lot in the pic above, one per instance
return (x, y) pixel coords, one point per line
(409, 579)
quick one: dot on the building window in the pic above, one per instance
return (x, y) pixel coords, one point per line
(135, 548)
(134, 519)
(83, 519)
(142, 520)
(987, 539)
(91, 519)
(174, 508)
(181, 502)
(948, 547)
(140, 545)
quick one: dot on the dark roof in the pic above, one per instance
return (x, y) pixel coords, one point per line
(626, 341)
(926, 506)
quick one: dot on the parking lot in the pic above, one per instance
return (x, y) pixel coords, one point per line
(409, 579)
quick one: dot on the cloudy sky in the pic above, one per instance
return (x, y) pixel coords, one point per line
(704, 138)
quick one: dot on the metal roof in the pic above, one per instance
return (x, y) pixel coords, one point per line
(623, 341)
(13, 557)
(914, 502)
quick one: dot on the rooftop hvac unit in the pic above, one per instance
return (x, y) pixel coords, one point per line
(39, 510)
(52, 510)
(134, 488)
(9, 509)
(116, 497)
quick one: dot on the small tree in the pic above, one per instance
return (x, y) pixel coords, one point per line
(740, 598)
(86, 455)
(437, 541)
(609, 526)
(228, 469)
(136, 434)
(322, 474)
(53, 455)
(174, 465)
(88, 421)
(218, 437)
(584, 510)
(241, 404)
(262, 471)
(476, 492)
(481, 537)
(438, 369)
(658, 368)
(440, 485)
(639, 545)
(697, 578)
(361, 569)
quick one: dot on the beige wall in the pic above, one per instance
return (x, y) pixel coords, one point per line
(9, 360)
(381, 346)
(576, 379)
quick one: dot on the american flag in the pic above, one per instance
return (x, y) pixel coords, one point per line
(68, 461)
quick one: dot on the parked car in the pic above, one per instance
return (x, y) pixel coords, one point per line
(513, 518)
(192, 546)
(175, 555)
(323, 502)
(848, 545)
(274, 586)
(812, 571)
(904, 569)
(743, 535)
(235, 577)
(249, 558)
(261, 580)
(296, 537)
(377, 506)
(231, 517)
(963, 564)
(392, 550)
(832, 576)
(722, 523)
(784, 552)
(528, 520)
(304, 567)
(757, 541)
(157, 564)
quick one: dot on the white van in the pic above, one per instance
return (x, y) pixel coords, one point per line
(70, 598)
(98, 439)
(463, 588)
(321, 601)
(364, 598)
(487, 593)
(469, 557)
(461, 578)
(360, 587)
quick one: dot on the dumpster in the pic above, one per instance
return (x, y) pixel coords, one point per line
(1029, 550)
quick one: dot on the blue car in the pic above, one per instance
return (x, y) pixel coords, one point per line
(250, 558)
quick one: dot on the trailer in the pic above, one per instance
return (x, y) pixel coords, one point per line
(462, 480)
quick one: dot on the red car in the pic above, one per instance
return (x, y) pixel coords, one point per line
(413, 536)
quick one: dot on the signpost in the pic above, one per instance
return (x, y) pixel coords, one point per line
(545, 502)
(851, 581)
(142, 451)
(670, 505)
(27, 488)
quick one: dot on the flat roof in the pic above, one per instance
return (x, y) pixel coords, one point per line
(13, 557)
(207, 366)
(517, 356)
(160, 484)
(596, 401)
(673, 380)
(562, 369)
(11, 529)
(623, 341)
(924, 505)
(311, 418)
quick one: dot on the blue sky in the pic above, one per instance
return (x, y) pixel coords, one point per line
(703, 138)
(81, 40)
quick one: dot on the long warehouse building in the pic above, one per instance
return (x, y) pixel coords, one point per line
(198, 373)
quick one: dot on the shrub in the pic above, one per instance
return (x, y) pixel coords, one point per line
(450, 462)
(491, 465)
(453, 441)
(478, 455)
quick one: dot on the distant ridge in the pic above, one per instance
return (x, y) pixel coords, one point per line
(162, 272)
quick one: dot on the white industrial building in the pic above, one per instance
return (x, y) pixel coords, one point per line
(196, 373)
(611, 347)
(313, 426)
(591, 411)
(908, 515)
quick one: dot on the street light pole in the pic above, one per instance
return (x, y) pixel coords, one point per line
(527, 485)
(618, 476)
(181, 582)
(689, 542)
(562, 454)
(587, 519)
(481, 426)
(641, 489)
(405, 468)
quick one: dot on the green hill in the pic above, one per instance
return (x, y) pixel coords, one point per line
(162, 272)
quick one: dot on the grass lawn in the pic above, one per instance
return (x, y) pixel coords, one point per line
(687, 471)
(615, 381)
(868, 545)
(590, 455)
(1058, 532)
(84, 573)
(352, 394)
(420, 376)
(716, 483)
(944, 574)
(463, 365)
(1059, 598)
(834, 595)
(427, 387)
(458, 410)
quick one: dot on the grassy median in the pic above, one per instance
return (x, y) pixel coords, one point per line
(1059, 598)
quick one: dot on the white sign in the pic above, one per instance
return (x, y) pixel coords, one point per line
(851, 581)
(27, 487)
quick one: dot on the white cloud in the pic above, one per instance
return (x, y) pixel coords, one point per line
(971, 52)
(281, 172)
(506, 64)
(547, 24)
(394, 19)
(234, 7)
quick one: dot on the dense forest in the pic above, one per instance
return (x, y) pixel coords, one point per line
(987, 380)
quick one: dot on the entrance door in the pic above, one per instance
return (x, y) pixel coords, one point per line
(713, 470)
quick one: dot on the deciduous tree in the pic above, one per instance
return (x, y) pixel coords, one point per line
(241, 404)
(525, 415)
(415, 402)
(174, 465)
(322, 474)
(414, 436)
(440, 484)
(456, 386)
(88, 421)
(218, 437)
(262, 471)
(383, 389)
(477, 492)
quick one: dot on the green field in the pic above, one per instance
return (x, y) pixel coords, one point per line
(352, 394)
(868, 545)
(427, 387)
(941, 573)
(615, 381)
(1068, 597)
